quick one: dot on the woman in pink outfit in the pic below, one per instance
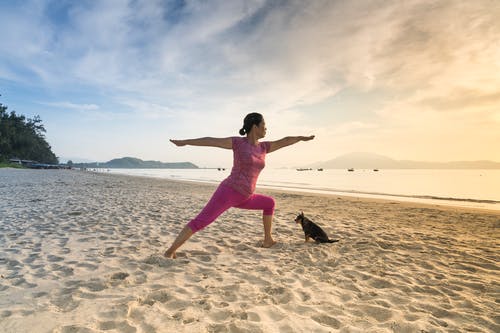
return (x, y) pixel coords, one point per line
(237, 190)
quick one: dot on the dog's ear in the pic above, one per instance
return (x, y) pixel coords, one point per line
(301, 213)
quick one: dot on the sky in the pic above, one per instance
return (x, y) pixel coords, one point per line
(411, 80)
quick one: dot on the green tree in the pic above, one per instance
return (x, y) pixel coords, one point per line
(23, 138)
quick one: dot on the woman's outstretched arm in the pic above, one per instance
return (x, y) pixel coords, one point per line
(225, 143)
(287, 141)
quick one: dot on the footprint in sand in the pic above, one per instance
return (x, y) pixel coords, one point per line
(5, 314)
(40, 294)
(218, 328)
(94, 285)
(327, 321)
(74, 329)
(65, 250)
(213, 249)
(279, 295)
(118, 326)
(13, 265)
(61, 271)
(32, 257)
(157, 296)
(220, 315)
(304, 296)
(110, 252)
(119, 276)
(253, 316)
(64, 302)
(88, 266)
(12, 251)
(380, 314)
(38, 272)
(116, 312)
(202, 256)
(140, 277)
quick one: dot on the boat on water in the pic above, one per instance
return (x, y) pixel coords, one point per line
(350, 170)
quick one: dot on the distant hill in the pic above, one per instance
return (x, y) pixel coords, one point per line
(375, 161)
(135, 163)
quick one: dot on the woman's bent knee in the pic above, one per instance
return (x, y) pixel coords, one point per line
(269, 208)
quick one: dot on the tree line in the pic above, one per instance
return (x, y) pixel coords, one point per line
(23, 138)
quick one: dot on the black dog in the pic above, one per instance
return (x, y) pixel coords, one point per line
(312, 230)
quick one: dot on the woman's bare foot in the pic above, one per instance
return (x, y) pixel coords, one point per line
(169, 255)
(268, 243)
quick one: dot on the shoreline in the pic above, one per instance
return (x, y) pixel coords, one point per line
(414, 204)
(370, 197)
(482, 203)
(83, 252)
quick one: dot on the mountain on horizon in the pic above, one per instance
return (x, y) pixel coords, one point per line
(363, 160)
(136, 163)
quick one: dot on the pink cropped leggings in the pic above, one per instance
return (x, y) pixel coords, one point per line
(224, 198)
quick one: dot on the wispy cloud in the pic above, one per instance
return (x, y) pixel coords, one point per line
(281, 54)
(147, 109)
(71, 106)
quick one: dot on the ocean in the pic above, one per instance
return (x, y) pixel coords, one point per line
(463, 188)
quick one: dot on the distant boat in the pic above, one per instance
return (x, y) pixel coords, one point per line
(303, 169)
(350, 170)
(320, 169)
(375, 170)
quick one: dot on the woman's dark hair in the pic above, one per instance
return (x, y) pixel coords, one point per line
(250, 120)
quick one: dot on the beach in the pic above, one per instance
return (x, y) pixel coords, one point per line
(82, 252)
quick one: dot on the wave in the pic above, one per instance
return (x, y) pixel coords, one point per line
(381, 194)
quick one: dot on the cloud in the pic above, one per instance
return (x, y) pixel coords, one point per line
(254, 54)
(206, 54)
(148, 110)
(462, 99)
(72, 106)
(439, 48)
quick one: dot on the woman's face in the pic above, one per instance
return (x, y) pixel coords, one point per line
(261, 129)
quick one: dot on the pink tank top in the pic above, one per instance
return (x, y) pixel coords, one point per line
(248, 161)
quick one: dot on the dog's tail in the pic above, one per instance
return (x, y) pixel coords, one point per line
(332, 240)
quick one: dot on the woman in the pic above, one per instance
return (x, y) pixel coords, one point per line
(237, 190)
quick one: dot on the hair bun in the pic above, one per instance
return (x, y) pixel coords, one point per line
(242, 131)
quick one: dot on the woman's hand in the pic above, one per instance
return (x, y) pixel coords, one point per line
(307, 138)
(178, 143)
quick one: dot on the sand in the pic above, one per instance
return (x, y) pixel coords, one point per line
(82, 252)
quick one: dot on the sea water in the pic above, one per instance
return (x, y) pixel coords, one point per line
(465, 188)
